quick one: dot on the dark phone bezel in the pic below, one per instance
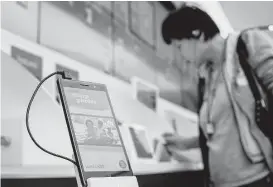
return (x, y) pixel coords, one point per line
(61, 83)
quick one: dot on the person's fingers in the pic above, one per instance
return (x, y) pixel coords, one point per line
(175, 153)
(167, 145)
(178, 154)
(171, 148)
(174, 147)
(189, 155)
(167, 134)
(174, 139)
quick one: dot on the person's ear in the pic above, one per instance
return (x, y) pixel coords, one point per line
(196, 33)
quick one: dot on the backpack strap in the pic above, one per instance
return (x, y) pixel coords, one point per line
(202, 139)
(248, 71)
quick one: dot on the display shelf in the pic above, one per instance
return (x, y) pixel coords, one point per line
(68, 171)
(146, 169)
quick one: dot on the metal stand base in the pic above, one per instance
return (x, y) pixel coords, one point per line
(128, 181)
(113, 182)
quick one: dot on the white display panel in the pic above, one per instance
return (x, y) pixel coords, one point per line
(20, 18)
(140, 142)
(75, 38)
(145, 92)
(121, 11)
(142, 20)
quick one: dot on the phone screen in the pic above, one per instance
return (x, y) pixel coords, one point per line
(95, 129)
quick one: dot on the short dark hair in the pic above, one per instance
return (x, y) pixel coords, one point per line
(181, 23)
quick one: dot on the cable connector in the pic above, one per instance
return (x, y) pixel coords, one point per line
(65, 75)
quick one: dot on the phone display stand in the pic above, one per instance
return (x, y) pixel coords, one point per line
(161, 153)
(125, 181)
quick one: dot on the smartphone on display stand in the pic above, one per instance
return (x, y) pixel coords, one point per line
(96, 140)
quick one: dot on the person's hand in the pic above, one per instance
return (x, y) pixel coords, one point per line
(174, 141)
(179, 147)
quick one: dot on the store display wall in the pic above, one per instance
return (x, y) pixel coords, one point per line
(126, 109)
(77, 29)
(21, 19)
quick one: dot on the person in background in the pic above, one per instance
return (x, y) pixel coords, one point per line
(232, 155)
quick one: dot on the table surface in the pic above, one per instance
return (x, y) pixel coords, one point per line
(68, 171)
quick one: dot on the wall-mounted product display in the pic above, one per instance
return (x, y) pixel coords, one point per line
(84, 34)
(106, 5)
(131, 57)
(31, 62)
(124, 57)
(145, 92)
(101, 20)
(163, 50)
(142, 17)
(90, 13)
(124, 61)
(121, 12)
(168, 79)
(23, 4)
(147, 58)
(21, 17)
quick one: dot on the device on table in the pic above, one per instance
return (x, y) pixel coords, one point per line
(174, 126)
(95, 137)
(161, 152)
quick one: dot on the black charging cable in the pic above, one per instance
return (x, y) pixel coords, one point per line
(64, 76)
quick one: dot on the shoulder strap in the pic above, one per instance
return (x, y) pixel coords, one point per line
(201, 88)
(248, 71)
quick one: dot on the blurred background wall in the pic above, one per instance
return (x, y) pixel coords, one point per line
(126, 38)
(131, 44)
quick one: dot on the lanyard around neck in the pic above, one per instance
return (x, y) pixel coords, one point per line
(212, 88)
